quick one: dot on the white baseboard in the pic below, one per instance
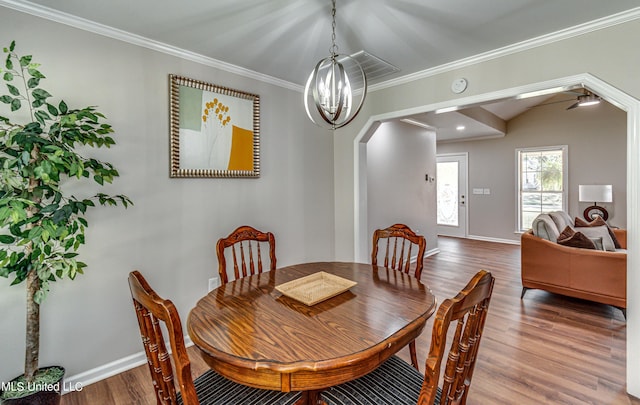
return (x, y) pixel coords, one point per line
(78, 381)
(496, 240)
(432, 252)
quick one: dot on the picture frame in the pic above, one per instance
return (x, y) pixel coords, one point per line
(214, 130)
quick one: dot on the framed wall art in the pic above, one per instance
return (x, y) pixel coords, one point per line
(215, 131)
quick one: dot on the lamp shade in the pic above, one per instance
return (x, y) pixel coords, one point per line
(595, 193)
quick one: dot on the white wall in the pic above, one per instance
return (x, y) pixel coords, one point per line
(170, 232)
(604, 54)
(398, 157)
(596, 137)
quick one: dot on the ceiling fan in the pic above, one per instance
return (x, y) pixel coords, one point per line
(586, 99)
(583, 99)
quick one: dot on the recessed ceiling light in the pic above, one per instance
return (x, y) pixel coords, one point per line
(460, 127)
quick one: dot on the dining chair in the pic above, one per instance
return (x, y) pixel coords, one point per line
(398, 241)
(396, 382)
(210, 387)
(247, 259)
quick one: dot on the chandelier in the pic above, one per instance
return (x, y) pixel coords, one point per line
(337, 87)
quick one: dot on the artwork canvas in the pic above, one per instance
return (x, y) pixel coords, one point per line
(214, 130)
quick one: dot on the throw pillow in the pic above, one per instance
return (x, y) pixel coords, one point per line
(561, 219)
(544, 227)
(598, 243)
(598, 222)
(569, 237)
(599, 232)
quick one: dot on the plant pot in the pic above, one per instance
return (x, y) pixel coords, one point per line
(46, 393)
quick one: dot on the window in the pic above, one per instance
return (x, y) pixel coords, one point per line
(542, 180)
(447, 193)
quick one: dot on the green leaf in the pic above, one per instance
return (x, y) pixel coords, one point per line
(35, 233)
(35, 73)
(99, 179)
(15, 104)
(7, 239)
(13, 90)
(62, 215)
(40, 94)
(12, 46)
(6, 99)
(52, 109)
(63, 107)
(49, 209)
(25, 157)
(39, 296)
(8, 76)
(9, 64)
(15, 230)
(4, 213)
(33, 82)
(42, 116)
(25, 60)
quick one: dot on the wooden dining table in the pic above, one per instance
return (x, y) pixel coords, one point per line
(249, 332)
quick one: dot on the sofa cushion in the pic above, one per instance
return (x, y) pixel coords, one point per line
(561, 219)
(544, 227)
(599, 232)
(569, 237)
(599, 222)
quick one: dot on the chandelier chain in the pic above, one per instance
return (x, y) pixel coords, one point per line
(334, 47)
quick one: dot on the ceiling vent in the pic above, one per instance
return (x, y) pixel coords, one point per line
(374, 68)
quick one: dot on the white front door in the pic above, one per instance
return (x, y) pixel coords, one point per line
(451, 183)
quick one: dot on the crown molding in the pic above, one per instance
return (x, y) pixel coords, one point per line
(104, 30)
(110, 32)
(602, 23)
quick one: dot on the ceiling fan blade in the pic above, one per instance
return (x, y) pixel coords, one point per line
(575, 92)
(553, 102)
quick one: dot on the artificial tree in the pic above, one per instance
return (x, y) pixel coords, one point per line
(41, 225)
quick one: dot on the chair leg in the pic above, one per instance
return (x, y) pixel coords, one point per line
(524, 290)
(414, 357)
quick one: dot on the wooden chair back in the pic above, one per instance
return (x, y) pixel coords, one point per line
(151, 310)
(398, 242)
(469, 309)
(245, 243)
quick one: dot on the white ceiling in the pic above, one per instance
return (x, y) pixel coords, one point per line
(285, 38)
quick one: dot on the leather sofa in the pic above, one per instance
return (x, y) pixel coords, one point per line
(589, 274)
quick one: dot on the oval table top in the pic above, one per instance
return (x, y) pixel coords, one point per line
(249, 332)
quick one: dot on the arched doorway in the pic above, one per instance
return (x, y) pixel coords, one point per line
(612, 95)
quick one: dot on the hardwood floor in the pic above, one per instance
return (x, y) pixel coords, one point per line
(544, 349)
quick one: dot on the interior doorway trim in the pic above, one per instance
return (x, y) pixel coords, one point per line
(609, 93)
